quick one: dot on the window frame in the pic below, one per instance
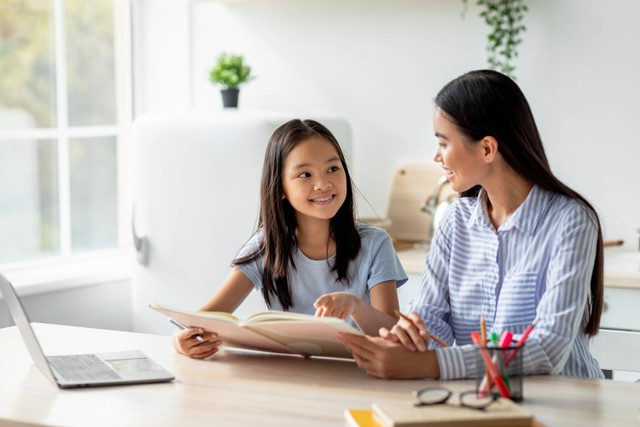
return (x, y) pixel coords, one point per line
(37, 270)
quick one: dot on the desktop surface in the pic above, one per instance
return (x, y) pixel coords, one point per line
(255, 389)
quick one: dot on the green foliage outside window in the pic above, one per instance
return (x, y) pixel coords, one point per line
(27, 59)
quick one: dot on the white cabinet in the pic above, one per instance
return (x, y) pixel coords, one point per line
(622, 290)
(196, 181)
(621, 309)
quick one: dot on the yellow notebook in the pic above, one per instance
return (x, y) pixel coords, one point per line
(502, 413)
(360, 418)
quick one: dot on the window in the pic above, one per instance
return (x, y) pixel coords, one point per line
(64, 103)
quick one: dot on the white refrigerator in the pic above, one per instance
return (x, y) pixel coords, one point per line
(195, 196)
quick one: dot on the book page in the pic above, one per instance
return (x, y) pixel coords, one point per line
(218, 315)
(227, 327)
(314, 336)
(275, 331)
(274, 315)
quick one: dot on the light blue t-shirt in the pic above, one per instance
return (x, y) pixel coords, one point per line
(377, 262)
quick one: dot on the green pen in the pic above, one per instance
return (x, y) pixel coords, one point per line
(494, 339)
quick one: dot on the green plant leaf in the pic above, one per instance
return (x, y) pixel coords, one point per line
(503, 17)
(230, 71)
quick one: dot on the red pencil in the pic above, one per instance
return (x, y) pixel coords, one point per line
(505, 340)
(497, 379)
(520, 343)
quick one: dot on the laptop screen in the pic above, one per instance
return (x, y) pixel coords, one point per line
(19, 315)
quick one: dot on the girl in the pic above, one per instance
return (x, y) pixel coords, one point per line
(308, 255)
(518, 246)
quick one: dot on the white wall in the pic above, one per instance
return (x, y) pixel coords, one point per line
(580, 67)
(380, 62)
(377, 63)
(104, 305)
(161, 60)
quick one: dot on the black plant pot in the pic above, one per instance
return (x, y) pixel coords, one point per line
(230, 97)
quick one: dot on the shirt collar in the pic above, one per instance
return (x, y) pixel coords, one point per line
(525, 218)
(479, 215)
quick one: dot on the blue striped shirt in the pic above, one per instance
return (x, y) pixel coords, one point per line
(536, 266)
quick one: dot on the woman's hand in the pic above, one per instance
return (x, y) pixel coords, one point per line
(382, 358)
(412, 334)
(185, 342)
(337, 304)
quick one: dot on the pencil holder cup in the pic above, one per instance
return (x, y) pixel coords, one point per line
(499, 372)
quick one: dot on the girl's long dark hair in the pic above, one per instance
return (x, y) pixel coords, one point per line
(487, 103)
(278, 219)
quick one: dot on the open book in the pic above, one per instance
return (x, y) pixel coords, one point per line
(274, 331)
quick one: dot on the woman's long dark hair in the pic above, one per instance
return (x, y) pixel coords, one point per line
(278, 219)
(487, 103)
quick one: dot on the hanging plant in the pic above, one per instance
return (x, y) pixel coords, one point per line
(504, 18)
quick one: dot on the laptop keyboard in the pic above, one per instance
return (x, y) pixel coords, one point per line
(82, 367)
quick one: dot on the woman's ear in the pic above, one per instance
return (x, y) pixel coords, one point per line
(489, 147)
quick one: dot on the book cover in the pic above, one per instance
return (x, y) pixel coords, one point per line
(501, 413)
(360, 418)
(273, 331)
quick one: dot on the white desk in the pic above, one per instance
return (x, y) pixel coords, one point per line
(254, 389)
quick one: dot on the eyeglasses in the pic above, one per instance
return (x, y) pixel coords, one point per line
(439, 395)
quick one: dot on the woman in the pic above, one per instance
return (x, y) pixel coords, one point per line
(518, 247)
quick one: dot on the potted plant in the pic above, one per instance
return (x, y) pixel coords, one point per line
(230, 72)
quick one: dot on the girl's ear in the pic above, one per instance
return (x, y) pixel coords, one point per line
(489, 147)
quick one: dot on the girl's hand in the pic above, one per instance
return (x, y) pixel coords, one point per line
(184, 342)
(412, 334)
(337, 304)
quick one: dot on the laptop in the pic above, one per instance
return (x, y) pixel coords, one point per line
(82, 370)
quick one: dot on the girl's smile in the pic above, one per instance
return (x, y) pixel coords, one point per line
(324, 200)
